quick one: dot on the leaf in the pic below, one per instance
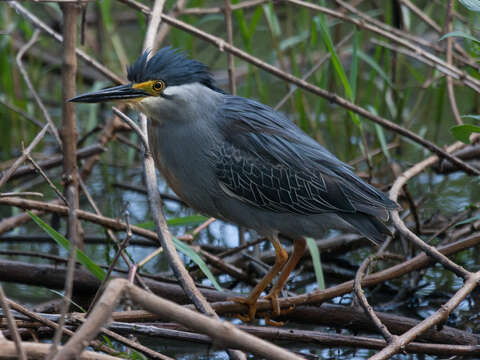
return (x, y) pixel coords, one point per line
(468, 221)
(71, 301)
(96, 270)
(337, 65)
(317, 263)
(460, 34)
(406, 18)
(293, 40)
(374, 65)
(380, 134)
(272, 19)
(382, 140)
(473, 5)
(354, 64)
(181, 221)
(192, 254)
(463, 132)
(474, 117)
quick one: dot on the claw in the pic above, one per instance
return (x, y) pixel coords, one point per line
(252, 308)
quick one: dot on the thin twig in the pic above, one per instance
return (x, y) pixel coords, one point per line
(202, 226)
(450, 90)
(153, 24)
(24, 73)
(56, 160)
(363, 300)
(232, 82)
(48, 30)
(47, 179)
(23, 193)
(21, 159)
(164, 29)
(20, 112)
(12, 325)
(133, 125)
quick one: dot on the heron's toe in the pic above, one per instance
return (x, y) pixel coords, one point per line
(276, 310)
(269, 321)
(273, 297)
(252, 308)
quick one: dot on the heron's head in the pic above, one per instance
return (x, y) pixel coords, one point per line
(156, 80)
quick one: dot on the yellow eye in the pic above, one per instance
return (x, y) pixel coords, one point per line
(158, 85)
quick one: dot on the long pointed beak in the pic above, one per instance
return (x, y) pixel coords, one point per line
(122, 92)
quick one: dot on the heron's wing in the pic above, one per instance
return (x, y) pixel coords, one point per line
(276, 187)
(268, 162)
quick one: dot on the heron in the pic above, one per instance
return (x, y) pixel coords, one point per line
(240, 161)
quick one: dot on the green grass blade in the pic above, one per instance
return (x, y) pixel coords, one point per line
(468, 221)
(180, 221)
(374, 65)
(77, 305)
(382, 140)
(334, 57)
(460, 34)
(474, 117)
(187, 250)
(272, 19)
(337, 65)
(317, 263)
(354, 65)
(380, 134)
(187, 220)
(96, 270)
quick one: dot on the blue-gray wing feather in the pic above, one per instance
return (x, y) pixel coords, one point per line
(268, 162)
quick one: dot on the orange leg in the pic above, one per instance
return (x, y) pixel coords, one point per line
(280, 260)
(298, 251)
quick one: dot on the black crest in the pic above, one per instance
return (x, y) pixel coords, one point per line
(171, 66)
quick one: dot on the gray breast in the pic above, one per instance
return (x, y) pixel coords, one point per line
(182, 133)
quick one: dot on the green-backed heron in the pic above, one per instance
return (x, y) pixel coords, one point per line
(241, 161)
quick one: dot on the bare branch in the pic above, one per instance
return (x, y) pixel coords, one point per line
(24, 73)
(12, 325)
(21, 159)
(223, 332)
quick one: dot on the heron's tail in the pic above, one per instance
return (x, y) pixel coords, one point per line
(367, 225)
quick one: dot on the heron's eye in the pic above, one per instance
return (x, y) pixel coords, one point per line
(158, 85)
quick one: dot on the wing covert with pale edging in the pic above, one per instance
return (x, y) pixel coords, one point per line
(268, 162)
(276, 187)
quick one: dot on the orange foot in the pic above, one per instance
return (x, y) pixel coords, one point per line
(252, 308)
(276, 311)
(273, 297)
